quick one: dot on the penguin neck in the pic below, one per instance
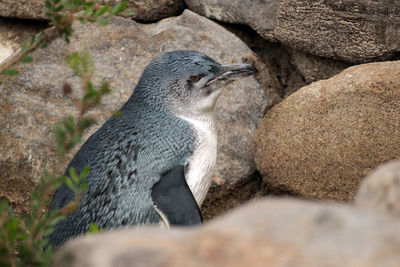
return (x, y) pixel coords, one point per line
(202, 161)
(202, 119)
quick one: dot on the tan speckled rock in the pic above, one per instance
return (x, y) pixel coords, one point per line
(32, 102)
(323, 139)
(273, 233)
(380, 191)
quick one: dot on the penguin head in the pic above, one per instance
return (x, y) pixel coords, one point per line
(187, 81)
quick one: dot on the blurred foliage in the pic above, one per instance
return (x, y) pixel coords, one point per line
(23, 238)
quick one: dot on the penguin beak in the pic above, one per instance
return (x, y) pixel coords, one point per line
(231, 72)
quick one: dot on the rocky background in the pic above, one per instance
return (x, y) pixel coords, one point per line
(302, 142)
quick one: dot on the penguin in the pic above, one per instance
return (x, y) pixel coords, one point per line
(154, 162)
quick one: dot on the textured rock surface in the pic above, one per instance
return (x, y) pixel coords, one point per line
(258, 14)
(314, 68)
(322, 140)
(144, 10)
(380, 191)
(350, 30)
(32, 102)
(265, 233)
(14, 32)
(23, 9)
(278, 76)
(151, 10)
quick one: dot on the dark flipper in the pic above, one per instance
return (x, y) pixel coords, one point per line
(174, 201)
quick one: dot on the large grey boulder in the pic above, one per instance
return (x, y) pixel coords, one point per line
(271, 233)
(352, 31)
(323, 139)
(143, 10)
(32, 102)
(380, 191)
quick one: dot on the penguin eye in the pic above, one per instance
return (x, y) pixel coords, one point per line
(195, 78)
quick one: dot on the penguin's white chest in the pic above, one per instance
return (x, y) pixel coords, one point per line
(202, 161)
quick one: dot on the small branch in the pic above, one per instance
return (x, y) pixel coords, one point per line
(49, 35)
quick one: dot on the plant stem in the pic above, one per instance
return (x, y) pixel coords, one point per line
(49, 35)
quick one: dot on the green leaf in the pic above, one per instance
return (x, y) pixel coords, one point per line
(10, 72)
(39, 36)
(83, 186)
(102, 22)
(117, 113)
(104, 89)
(101, 11)
(86, 123)
(35, 197)
(93, 228)
(26, 59)
(82, 20)
(24, 46)
(88, 10)
(57, 19)
(56, 220)
(59, 8)
(60, 139)
(73, 60)
(89, 4)
(68, 182)
(47, 4)
(60, 134)
(85, 172)
(128, 13)
(66, 38)
(13, 229)
(66, 4)
(91, 92)
(72, 173)
(118, 8)
(44, 45)
(69, 124)
(76, 140)
(33, 39)
(28, 221)
(3, 205)
(48, 230)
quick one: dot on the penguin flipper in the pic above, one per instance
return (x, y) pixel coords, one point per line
(174, 201)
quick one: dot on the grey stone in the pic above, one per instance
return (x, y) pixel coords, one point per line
(258, 14)
(323, 139)
(314, 68)
(351, 31)
(13, 32)
(151, 10)
(23, 9)
(143, 10)
(272, 232)
(32, 102)
(380, 190)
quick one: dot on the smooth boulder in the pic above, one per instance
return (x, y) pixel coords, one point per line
(271, 232)
(380, 191)
(323, 139)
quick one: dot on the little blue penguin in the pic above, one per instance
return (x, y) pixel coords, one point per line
(154, 162)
